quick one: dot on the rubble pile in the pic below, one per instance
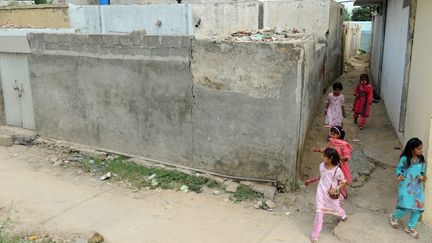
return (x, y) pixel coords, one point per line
(267, 35)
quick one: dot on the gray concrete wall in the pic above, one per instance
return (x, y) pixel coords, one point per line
(335, 43)
(231, 108)
(376, 54)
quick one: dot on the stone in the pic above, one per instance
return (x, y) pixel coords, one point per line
(53, 159)
(217, 192)
(258, 205)
(270, 204)
(6, 140)
(154, 182)
(357, 184)
(184, 188)
(96, 238)
(267, 190)
(231, 186)
(151, 177)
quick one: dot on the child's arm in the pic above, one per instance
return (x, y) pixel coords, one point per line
(319, 150)
(370, 95)
(423, 173)
(343, 107)
(312, 180)
(326, 107)
(400, 168)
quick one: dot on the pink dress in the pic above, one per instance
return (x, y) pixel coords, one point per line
(334, 115)
(344, 149)
(329, 178)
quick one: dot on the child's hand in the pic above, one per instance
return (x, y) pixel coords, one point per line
(401, 178)
(311, 180)
(316, 149)
(423, 178)
(325, 112)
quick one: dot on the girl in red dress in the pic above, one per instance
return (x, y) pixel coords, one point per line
(364, 96)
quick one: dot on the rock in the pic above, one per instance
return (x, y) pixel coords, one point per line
(106, 176)
(361, 179)
(270, 204)
(231, 186)
(357, 184)
(6, 140)
(152, 177)
(259, 205)
(154, 182)
(53, 159)
(184, 188)
(217, 192)
(96, 238)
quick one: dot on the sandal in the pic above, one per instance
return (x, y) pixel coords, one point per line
(344, 219)
(412, 232)
(394, 222)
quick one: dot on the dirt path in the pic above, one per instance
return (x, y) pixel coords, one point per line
(64, 203)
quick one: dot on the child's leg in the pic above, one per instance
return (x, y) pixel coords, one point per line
(317, 227)
(415, 215)
(399, 213)
(341, 213)
(355, 116)
(362, 121)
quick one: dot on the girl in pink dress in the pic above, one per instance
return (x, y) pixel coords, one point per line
(331, 180)
(364, 97)
(344, 149)
(335, 111)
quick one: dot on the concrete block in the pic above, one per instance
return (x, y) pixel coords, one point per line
(6, 140)
(79, 39)
(171, 41)
(160, 52)
(186, 42)
(94, 39)
(50, 38)
(51, 46)
(177, 52)
(110, 40)
(151, 41)
(65, 38)
(125, 40)
(137, 37)
(64, 47)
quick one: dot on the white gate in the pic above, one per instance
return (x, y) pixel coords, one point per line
(15, 81)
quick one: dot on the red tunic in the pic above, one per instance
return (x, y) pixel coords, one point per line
(363, 100)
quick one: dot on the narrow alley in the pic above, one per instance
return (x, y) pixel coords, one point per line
(66, 204)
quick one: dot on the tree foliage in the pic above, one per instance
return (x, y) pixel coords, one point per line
(363, 13)
(345, 14)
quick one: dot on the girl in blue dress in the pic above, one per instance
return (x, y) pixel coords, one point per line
(411, 175)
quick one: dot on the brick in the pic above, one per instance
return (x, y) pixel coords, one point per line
(6, 140)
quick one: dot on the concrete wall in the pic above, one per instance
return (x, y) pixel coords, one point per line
(32, 16)
(231, 108)
(312, 16)
(155, 19)
(352, 35)
(223, 19)
(376, 54)
(335, 42)
(394, 59)
(419, 111)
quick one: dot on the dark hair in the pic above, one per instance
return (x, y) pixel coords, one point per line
(339, 130)
(337, 85)
(412, 144)
(364, 76)
(332, 154)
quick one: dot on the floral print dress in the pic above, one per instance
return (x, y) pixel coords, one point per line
(411, 190)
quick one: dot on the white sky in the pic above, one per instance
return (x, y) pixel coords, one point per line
(349, 5)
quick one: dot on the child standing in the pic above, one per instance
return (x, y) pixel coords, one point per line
(335, 111)
(344, 149)
(411, 174)
(331, 179)
(364, 97)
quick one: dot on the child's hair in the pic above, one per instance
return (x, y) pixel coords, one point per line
(339, 130)
(412, 144)
(337, 86)
(364, 76)
(332, 154)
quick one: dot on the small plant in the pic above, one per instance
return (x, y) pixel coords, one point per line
(41, 2)
(245, 193)
(138, 175)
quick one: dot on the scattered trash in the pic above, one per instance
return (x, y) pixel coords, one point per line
(106, 176)
(91, 161)
(34, 237)
(287, 213)
(356, 140)
(80, 172)
(184, 188)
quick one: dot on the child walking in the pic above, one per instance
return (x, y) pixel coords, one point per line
(411, 175)
(331, 180)
(344, 149)
(334, 110)
(364, 97)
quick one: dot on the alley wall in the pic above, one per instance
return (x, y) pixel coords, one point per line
(230, 108)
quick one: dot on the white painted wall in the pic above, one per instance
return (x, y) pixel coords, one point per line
(394, 59)
(376, 54)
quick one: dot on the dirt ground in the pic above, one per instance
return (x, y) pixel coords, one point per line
(40, 197)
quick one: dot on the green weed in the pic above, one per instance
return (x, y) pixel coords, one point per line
(245, 193)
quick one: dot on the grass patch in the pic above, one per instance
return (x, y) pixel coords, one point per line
(245, 193)
(137, 175)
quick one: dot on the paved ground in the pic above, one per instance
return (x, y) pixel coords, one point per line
(40, 197)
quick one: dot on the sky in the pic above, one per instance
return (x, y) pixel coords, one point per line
(348, 5)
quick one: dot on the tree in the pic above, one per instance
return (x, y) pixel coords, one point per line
(363, 13)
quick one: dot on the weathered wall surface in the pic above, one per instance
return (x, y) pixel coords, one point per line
(32, 16)
(352, 35)
(394, 59)
(376, 54)
(335, 42)
(312, 16)
(230, 108)
(217, 19)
